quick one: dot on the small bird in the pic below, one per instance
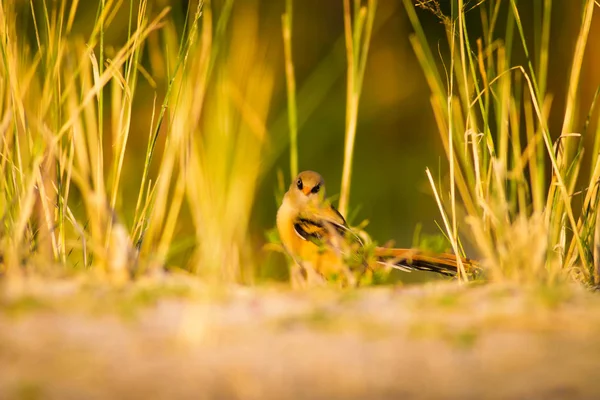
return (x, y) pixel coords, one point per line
(322, 245)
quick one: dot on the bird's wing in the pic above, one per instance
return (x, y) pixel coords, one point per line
(317, 231)
(337, 215)
(322, 224)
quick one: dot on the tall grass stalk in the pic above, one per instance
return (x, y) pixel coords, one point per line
(68, 123)
(222, 152)
(516, 215)
(358, 27)
(286, 23)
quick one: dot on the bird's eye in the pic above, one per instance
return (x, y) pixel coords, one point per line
(299, 184)
(315, 189)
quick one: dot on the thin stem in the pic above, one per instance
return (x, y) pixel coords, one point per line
(286, 20)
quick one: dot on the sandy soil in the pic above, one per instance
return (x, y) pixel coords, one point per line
(66, 340)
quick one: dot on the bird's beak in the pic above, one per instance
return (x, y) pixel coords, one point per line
(306, 190)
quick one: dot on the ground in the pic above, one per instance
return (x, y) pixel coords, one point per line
(176, 338)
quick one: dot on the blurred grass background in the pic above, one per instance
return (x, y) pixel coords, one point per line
(397, 136)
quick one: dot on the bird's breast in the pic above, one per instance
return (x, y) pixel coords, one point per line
(286, 216)
(321, 258)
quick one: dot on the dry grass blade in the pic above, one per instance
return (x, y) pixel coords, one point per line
(497, 175)
(358, 38)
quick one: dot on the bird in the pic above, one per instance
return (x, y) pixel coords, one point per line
(323, 246)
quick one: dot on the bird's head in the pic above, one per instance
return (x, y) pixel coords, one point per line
(309, 187)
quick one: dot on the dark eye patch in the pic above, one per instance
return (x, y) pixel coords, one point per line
(315, 189)
(299, 184)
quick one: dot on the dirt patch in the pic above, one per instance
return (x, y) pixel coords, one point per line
(179, 340)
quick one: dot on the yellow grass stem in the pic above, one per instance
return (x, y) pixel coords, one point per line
(449, 229)
(358, 38)
(286, 22)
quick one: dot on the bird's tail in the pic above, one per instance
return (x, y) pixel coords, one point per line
(418, 260)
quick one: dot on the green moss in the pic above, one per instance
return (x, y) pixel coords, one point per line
(552, 296)
(139, 298)
(147, 296)
(448, 300)
(349, 297)
(24, 305)
(128, 301)
(465, 338)
(318, 319)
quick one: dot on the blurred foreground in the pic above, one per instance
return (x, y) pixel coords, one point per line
(175, 339)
